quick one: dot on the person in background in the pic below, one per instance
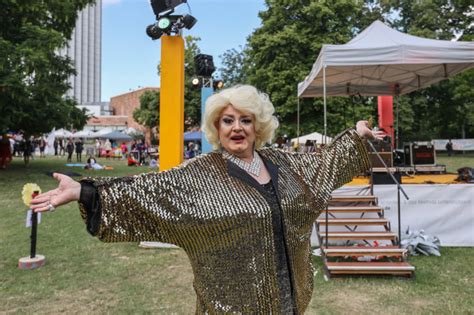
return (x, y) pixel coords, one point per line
(70, 150)
(449, 148)
(92, 164)
(79, 149)
(97, 147)
(107, 148)
(153, 163)
(5, 152)
(141, 151)
(42, 146)
(189, 154)
(124, 149)
(12, 145)
(62, 147)
(56, 145)
(28, 148)
(196, 149)
(131, 161)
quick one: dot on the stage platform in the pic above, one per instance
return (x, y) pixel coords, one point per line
(436, 169)
(414, 179)
(442, 210)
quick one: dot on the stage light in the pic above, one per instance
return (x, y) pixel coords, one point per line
(166, 23)
(188, 21)
(196, 82)
(217, 84)
(204, 65)
(160, 6)
(154, 31)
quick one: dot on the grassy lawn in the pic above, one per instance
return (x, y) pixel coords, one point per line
(83, 275)
(456, 161)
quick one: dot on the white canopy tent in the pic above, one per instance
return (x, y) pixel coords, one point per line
(62, 133)
(383, 61)
(315, 136)
(83, 134)
(101, 132)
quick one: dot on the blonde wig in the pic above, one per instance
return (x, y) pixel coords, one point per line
(244, 98)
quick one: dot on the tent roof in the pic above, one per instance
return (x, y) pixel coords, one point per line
(83, 134)
(116, 135)
(312, 136)
(192, 136)
(62, 133)
(383, 61)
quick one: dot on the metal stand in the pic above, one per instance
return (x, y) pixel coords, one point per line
(399, 188)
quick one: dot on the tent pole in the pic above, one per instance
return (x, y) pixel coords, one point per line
(298, 121)
(324, 102)
(398, 123)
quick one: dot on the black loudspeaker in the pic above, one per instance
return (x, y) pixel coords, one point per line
(384, 149)
(380, 146)
(204, 65)
(423, 153)
(419, 153)
(385, 178)
(386, 157)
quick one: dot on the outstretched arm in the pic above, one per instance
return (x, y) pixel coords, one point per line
(68, 190)
(336, 164)
(127, 209)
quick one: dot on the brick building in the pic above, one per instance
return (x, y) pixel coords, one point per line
(113, 122)
(125, 104)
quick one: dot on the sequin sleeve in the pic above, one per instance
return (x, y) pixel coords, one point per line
(138, 208)
(331, 168)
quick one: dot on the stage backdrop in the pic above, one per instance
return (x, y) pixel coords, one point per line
(445, 211)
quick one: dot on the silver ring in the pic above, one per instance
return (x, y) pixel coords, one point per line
(51, 208)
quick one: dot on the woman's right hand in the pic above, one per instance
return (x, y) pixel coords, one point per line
(67, 191)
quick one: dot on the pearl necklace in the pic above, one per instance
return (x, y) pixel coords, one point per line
(253, 167)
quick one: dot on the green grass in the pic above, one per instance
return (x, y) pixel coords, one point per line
(83, 275)
(456, 161)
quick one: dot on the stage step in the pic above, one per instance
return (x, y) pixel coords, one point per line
(356, 251)
(353, 221)
(359, 236)
(370, 268)
(353, 209)
(366, 198)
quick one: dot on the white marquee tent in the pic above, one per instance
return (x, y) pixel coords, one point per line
(384, 61)
(315, 136)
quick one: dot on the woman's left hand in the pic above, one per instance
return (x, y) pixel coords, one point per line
(364, 131)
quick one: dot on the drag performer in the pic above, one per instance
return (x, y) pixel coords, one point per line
(242, 213)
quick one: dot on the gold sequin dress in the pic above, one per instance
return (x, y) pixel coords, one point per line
(225, 225)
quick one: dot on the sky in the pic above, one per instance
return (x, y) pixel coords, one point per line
(130, 57)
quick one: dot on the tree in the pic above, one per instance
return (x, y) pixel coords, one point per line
(234, 66)
(192, 96)
(282, 51)
(444, 110)
(33, 76)
(148, 114)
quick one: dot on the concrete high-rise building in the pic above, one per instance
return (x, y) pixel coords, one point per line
(85, 49)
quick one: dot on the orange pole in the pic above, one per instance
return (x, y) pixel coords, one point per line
(171, 102)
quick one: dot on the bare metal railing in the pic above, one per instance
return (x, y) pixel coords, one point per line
(399, 188)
